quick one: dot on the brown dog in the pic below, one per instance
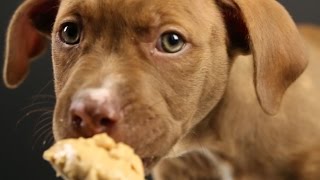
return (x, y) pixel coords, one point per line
(199, 81)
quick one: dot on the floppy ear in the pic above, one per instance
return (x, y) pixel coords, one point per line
(27, 37)
(265, 29)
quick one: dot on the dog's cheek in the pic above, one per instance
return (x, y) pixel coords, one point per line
(214, 68)
(153, 133)
(195, 84)
(60, 124)
(63, 63)
(214, 82)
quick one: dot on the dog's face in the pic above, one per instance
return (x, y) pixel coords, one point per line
(145, 71)
(144, 63)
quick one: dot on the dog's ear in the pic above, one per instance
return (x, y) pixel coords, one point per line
(265, 29)
(27, 37)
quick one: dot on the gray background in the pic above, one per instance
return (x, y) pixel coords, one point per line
(20, 146)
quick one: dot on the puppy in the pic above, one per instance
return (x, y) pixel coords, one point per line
(206, 89)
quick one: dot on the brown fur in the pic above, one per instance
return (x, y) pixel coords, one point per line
(238, 98)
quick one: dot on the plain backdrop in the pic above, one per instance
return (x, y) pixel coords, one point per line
(26, 111)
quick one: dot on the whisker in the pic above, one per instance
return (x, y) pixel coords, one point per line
(45, 120)
(46, 109)
(44, 87)
(38, 131)
(47, 139)
(34, 104)
(43, 96)
(49, 113)
(43, 105)
(51, 140)
(40, 136)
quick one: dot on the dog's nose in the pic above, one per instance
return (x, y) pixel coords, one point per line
(92, 115)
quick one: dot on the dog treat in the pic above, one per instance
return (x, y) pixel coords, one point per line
(96, 158)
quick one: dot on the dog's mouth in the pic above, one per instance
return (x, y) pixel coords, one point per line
(149, 163)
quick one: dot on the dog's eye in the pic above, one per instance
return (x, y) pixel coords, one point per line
(170, 42)
(70, 33)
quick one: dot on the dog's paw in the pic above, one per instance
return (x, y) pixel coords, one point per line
(194, 165)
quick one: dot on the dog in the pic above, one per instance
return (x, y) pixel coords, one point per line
(206, 89)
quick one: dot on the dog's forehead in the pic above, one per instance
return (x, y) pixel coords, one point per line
(131, 4)
(146, 10)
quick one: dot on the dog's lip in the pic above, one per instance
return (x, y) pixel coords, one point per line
(149, 162)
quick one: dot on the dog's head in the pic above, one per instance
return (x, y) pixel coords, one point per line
(147, 71)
